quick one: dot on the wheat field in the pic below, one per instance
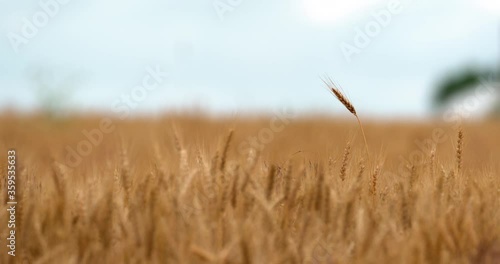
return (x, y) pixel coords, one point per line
(194, 189)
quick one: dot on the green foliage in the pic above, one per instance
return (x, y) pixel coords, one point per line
(53, 95)
(462, 81)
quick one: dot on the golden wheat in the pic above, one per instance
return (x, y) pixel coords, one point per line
(189, 195)
(348, 105)
(460, 139)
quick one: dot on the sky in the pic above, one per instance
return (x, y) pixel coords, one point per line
(231, 56)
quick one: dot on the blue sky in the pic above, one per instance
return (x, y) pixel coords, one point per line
(241, 55)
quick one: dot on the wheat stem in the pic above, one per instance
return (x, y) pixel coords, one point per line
(348, 105)
(364, 136)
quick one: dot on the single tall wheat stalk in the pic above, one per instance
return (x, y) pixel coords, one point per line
(343, 99)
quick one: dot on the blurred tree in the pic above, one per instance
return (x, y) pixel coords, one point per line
(53, 95)
(465, 81)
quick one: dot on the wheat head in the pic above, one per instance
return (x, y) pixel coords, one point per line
(348, 105)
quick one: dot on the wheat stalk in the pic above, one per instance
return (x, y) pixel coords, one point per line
(345, 160)
(350, 107)
(459, 151)
(270, 182)
(225, 150)
(373, 188)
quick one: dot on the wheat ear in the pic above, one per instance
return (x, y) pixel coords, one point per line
(350, 107)
(460, 148)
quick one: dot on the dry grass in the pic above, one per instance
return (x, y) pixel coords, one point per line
(178, 190)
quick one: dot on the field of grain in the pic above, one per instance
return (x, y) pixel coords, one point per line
(193, 189)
